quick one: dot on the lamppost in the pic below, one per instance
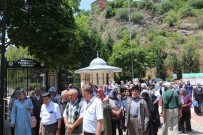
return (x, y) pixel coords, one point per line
(130, 35)
(3, 66)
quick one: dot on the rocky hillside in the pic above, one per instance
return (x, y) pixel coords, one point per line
(179, 22)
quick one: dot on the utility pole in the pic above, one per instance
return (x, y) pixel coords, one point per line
(130, 35)
(3, 66)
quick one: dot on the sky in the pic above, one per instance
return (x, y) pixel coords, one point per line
(85, 4)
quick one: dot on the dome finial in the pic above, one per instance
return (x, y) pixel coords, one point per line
(97, 54)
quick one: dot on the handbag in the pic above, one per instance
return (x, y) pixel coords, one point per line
(195, 103)
(33, 122)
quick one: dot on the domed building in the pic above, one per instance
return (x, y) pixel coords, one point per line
(98, 72)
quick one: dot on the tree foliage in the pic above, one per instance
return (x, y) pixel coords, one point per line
(191, 59)
(89, 42)
(46, 28)
(122, 55)
(13, 53)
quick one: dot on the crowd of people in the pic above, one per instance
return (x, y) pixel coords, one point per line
(131, 107)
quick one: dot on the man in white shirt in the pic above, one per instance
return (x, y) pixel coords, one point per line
(92, 112)
(50, 117)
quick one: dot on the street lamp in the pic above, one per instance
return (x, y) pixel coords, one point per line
(129, 21)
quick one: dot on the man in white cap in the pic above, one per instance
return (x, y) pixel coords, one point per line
(171, 109)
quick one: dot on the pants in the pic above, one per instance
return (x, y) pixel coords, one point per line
(198, 109)
(185, 119)
(50, 129)
(171, 118)
(116, 123)
(12, 130)
(133, 128)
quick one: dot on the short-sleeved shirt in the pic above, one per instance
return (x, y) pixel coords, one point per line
(50, 113)
(91, 113)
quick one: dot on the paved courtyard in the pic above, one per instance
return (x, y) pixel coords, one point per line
(196, 123)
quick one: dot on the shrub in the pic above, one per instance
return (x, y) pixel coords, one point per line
(200, 25)
(163, 33)
(121, 31)
(122, 14)
(198, 4)
(171, 18)
(187, 12)
(151, 36)
(141, 5)
(109, 11)
(165, 7)
(145, 5)
(136, 17)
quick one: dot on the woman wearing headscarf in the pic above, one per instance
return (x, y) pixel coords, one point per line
(186, 102)
(20, 115)
(14, 97)
(115, 107)
(152, 128)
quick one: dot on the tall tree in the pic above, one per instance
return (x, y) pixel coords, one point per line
(89, 42)
(106, 49)
(191, 59)
(157, 46)
(46, 28)
(121, 57)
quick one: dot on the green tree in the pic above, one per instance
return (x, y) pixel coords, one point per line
(13, 53)
(157, 46)
(121, 57)
(46, 28)
(89, 42)
(106, 49)
(191, 59)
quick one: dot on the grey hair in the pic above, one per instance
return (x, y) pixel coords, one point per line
(88, 88)
(74, 91)
(64, 92)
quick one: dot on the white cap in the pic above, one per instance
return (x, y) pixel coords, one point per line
(168, 84)
(143, 85)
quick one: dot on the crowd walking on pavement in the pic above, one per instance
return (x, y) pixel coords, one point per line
(131, 107)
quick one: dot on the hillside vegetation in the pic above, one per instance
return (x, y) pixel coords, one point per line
(166, 36)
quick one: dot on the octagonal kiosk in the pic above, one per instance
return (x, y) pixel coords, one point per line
(98, 72)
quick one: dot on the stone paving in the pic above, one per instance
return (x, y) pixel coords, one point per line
(196, 123)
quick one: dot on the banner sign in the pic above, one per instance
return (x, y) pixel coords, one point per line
(24, 63)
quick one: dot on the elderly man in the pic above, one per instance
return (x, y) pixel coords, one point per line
(137, 114)
(92, 112)
(50, 117)
(36, 99)
(71, 114)
(171, 109)
(63, 103)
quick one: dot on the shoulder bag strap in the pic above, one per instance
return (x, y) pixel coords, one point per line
(170, 98)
